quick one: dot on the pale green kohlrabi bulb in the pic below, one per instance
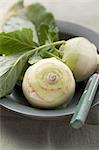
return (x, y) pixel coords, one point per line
(97, 70)
(80, 55)
(49, 83)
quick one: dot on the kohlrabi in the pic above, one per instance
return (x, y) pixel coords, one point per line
(80, 55)
(97, 70)
(48, 83)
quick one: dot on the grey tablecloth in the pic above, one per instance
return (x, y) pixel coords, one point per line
(21, 133)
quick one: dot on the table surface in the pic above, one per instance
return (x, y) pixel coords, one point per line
(21, 133)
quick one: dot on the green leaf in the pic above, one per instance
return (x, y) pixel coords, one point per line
(10, 75)
(47, 34)
(17, 41)
(38, 55)
(36, 13)
(6, 63)
(44, 22)
(18, 23)
(16, 9)
(43, 34)
(47, 51)
(34, 59)
(47, 54)
(20, 79)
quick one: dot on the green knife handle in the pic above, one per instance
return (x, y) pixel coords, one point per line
(85, 102)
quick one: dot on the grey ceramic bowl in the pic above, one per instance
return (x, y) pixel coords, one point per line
(17, 102)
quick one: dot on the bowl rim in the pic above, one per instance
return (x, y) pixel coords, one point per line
(79, 30)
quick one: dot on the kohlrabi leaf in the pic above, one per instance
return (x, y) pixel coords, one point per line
(44, 22)
(18, 23)
(37, 14)
(16, 20)
(34, 17)
(38, 55)
(6, 63)
(47, 51)
(16, 9)
(18, 5)
(34, 59)
(47, 54)
(17, 41)
(10, 74)
(47, 34)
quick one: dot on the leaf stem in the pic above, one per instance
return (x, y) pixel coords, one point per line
(52, 55)
(31, 52)
(58, 51)
(48, 45)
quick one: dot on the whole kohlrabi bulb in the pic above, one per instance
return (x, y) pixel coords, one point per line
(49, 83)
(80, 55)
